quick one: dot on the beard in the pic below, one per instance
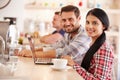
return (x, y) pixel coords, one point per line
(75, 30)
(71, 28)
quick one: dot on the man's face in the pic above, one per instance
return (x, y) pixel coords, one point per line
(56, 21)
(70, 22)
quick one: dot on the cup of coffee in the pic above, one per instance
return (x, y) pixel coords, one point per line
(59, 63)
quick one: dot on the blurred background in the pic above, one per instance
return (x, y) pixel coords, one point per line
(29, 16)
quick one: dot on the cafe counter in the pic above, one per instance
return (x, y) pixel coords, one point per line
(27, 69)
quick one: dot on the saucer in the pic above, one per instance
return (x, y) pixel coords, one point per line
(55, 68)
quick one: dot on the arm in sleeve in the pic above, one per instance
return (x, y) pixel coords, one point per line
(101, 66)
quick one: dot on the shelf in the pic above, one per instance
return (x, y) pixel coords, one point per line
(109, 11)
(33, 6)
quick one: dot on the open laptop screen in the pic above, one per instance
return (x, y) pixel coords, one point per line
(32, 47)
(38, 60)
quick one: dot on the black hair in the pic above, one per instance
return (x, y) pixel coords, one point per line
(69, 8)
(101, 15)
(57, 13)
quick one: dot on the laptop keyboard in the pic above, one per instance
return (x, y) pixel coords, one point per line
(44, 60)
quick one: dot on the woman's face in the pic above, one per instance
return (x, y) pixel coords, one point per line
(94, 26)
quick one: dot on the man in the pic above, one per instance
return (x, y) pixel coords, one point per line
(57, 34)
(75, 42)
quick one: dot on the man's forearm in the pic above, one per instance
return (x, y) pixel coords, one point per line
(46, 54)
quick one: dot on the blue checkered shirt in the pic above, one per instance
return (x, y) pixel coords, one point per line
(75, 47)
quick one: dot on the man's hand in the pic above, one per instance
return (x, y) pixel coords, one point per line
(25, 53)
(39, 49)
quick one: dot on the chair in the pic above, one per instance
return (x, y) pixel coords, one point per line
(115, 68)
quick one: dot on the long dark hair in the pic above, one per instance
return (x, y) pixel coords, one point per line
(101, 15)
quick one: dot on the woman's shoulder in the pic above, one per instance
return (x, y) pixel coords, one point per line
(106, 48)
(107, 45)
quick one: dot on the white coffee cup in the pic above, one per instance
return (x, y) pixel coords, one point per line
(59, 63)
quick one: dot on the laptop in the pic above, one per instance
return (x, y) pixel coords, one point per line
(46, 61)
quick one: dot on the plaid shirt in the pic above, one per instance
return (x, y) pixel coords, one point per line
(100, 65)
(75, 47)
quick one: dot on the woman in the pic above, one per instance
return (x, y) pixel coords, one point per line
(98, 61)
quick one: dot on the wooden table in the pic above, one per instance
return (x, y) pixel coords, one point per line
(26, 68)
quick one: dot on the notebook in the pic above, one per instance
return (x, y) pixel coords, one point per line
(47, 61)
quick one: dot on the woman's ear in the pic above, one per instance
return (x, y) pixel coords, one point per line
(104, 28)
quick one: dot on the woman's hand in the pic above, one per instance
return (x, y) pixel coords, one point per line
(70, 60)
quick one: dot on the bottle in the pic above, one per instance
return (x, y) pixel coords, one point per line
(13, 34)
(11, 39)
